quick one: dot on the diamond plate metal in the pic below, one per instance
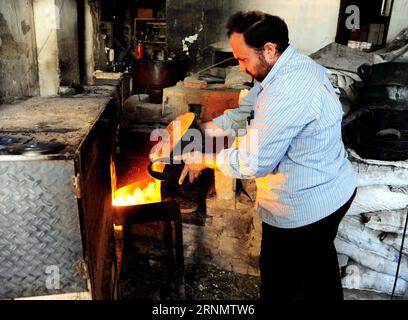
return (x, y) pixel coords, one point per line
(39, 228)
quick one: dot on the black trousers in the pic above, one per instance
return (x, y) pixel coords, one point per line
(301, 263)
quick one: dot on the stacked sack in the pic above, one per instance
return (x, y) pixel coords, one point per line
(369, 237)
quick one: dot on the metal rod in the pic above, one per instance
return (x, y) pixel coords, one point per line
(214, 65)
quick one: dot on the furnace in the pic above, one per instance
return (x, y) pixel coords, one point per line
(55, 207)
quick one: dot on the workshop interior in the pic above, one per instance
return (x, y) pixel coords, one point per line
(87, 214)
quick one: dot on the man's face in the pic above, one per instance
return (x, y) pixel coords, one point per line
(252, 61)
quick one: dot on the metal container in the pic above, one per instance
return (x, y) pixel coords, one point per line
(378, 132)
(179, 140)
(151, 76)
(56, 232)
(388, 73)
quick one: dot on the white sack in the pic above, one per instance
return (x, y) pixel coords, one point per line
(387, 221)
(371, 260)
(359, 277)
(354, 156)
(352, 230)
(370, 174)
(395, 240)
(377, 198)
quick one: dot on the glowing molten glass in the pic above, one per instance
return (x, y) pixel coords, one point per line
(133, 193)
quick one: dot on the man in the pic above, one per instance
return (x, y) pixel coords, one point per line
(305, 182)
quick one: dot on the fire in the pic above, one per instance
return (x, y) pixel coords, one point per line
(133, 193)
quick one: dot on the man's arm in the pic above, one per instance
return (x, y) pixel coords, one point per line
(211, 129)
(195, 162)
(220, 127)
(280, 115)
(236, 119)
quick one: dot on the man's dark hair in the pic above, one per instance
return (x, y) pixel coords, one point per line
(259, 28)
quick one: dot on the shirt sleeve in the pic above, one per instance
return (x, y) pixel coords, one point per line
(237, 118)
(279, 117)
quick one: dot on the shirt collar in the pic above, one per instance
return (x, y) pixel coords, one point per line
(282, 60)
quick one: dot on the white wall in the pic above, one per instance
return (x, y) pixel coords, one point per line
(312, 23)
(399, 18)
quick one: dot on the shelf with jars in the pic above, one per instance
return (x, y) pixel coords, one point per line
(150, 30)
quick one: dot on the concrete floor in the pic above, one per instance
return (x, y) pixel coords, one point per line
(367, 295)
(207, 282)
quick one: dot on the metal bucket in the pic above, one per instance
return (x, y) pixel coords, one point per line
(151, 76)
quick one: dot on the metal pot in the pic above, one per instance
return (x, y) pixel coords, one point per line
(178, 142)
(152, 76)
(378, 133)
(389, 73)
(391, 94)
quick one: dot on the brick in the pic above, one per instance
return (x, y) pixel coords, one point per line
(239, 266)
(253, 271)
(223, 263)
(232, 242)
(213, 101)
(191, 82)
(224, 186)
(214, 206)
(233, 247)
(239, 226)
(210, 240)
(191, 233)
(219, 223)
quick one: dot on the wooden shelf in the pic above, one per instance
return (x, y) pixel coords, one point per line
(147, 25)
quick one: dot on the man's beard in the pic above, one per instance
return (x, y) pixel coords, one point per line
(263, 68)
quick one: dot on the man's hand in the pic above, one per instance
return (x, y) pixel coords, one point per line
(195, 162)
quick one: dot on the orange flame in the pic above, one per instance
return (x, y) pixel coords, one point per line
(133, 194)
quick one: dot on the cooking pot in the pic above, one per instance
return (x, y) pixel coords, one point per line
(378, 133)
(181, 132)
(389, 73)
(396, 96)
(152, 76)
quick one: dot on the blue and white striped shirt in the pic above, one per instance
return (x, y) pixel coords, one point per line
(293, 146)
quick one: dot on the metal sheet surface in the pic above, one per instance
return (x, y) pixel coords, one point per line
(40, 240)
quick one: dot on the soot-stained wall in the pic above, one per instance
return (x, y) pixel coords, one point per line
(192, 25)
(67, 36)
(18, 60)
(312, 24)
